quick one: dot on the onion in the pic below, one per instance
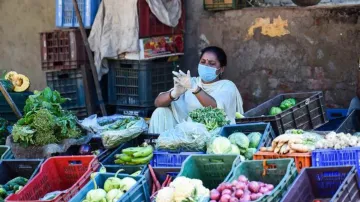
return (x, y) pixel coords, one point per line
(213, 201)
(254, 187)
(246, 197)
(240, 185)
(267, 193)
(214, 194)
(239, 193)
(225, 198)
(228, 185)
(233, 199)
(270, 187)
(234, 182)
(221, 187)
(226, 191)
(242, 178)
(263, 190)
(254, 197)
(261, 184)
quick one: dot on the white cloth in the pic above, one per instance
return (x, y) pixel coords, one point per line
(168, 12)
(224, 92)
(115, 31)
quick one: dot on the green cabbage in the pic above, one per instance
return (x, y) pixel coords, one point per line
(274, 111)
(219, 145)
(254, 139)
(249, 153)
(239, 139)
(234, 149)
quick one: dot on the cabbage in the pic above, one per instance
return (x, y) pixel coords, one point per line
(239, 139)
(234, 149)
(249, 153)
(219, 145)
(254, 139)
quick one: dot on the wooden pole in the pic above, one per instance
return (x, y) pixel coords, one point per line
(92, 64)
(10, 101)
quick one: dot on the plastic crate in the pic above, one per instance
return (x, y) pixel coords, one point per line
(170, 159)
(308, 113)
(5, 109)
(5, 152)
(11, 169)
(330, 157)
(302, 160)
(138, 83)
(264, 128)
(139, 192)
(135, 111)
(279, 172)
(161, 174)
(62, 49)
(332, 125)
(210, 169)
(336, 113)
(66, 16)
(150, 26)
(351, 124)
(219, 5)
(68, 173)
(70, 84)
(325, 183)
(149, 138)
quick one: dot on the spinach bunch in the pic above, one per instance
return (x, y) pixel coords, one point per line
(212, 118)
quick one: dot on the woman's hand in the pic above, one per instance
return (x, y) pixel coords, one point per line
(185, 80)
(178, 90)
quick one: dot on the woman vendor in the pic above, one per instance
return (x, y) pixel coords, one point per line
(190, 93)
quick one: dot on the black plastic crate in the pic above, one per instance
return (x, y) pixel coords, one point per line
(138, 83)
(308, 113)
(325, 184)
(135, 111)
(5, 109)
(351, 124)
(219, 5)
(10, 169)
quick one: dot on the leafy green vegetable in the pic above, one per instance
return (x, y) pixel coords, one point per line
(240, 140)
(212, 118)
(219, 145)
(254, 139)
(249, 153)
(288, 103)
(274, 111)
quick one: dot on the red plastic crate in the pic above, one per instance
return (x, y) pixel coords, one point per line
(150, 26)
(62, 49)
(61, 173)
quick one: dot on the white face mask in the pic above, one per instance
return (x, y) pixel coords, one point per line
(206, 73)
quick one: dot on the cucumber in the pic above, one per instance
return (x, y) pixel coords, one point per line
(146, 151)
(142, 160)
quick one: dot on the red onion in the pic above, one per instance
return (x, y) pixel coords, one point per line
(246, 197)
(234, 182)
(261, 184)
(270, 187)
(263, 190)
(214, 194)
(225, 198)
(240, 185)
(213, 201)
(254, 197)
(239, 193)
(226, 191)
(242, 178)
(228, 185)
(233, 199)
(221, 187)
(254, 187)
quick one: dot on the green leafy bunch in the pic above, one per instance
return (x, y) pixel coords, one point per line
(212, 118)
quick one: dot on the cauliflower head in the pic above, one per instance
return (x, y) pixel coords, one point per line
(165, 194)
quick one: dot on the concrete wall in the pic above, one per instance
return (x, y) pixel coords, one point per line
(20, 24)
(318, 50)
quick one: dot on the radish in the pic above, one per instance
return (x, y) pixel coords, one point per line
(214, 194)
(242, 178)
(225, 198)
(239, 193)
(254, 187)
(226, 191)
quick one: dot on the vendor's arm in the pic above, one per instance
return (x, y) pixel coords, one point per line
(163, 100)
(205, 99)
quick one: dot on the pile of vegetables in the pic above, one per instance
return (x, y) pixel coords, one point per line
(212, 118)
(338, 141)
(156, 186)
(183, 189)
(12, 81)
(135, 155)
(293, 141)
(114, 189)
(45, 122)
(3, 131)
(12, 186)
(284, 105)
(240, 190)
(237, 143)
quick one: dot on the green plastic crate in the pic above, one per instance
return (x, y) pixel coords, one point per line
(5, 152)
(280, 172)
(5, 109)
(210, 169)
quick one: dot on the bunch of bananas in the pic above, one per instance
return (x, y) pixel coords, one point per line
(135, 155)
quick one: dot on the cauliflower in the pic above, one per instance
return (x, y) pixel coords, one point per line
(165, 194)
(353, 141)
(200, 189)
(184, 189)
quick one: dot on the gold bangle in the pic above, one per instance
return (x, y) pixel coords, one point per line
(197, 91)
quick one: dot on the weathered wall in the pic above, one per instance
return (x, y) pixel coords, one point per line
(20, 24)
(319, 53)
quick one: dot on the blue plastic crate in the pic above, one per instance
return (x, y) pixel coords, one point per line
(66, 16)
(336, 113)
(337, 183)
(161, 173)
(332, 125)
(5, 152)
(170, 159)
(138, 193)
(265, 129)
(330, 157)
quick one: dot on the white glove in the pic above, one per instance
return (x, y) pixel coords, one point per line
(178, 90)
(185, 80)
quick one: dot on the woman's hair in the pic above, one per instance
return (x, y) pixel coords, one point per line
(220, 54)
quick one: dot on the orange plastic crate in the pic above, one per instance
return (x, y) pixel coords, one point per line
(64, 173)
(302, 160)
